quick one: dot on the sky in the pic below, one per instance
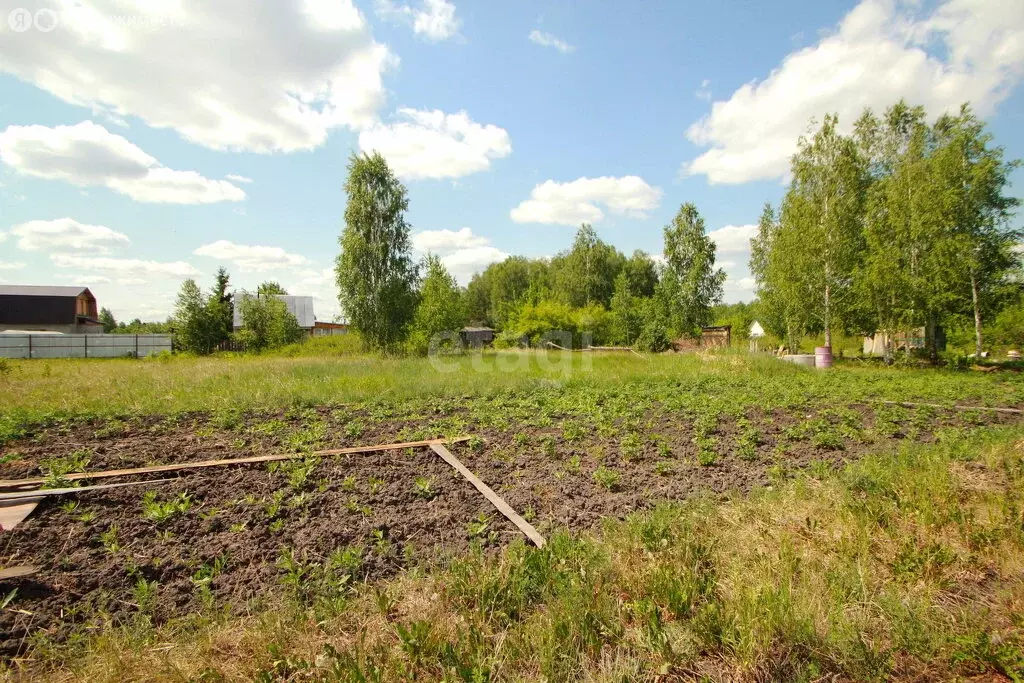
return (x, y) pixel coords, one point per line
(142, 143)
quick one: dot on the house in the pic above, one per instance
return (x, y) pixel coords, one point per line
(299, 306)
(31, 308)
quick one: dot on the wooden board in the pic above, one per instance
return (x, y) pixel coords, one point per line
(13, 513)
(17, 572)
(496, 500)
(38, 494)
(14, 483)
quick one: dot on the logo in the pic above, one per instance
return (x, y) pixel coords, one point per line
(20, 20)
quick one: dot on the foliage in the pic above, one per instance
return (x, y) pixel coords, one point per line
(271, 288)
(107, 318)
(267, 323)
(201, 323)
(441, 311)
(375, 274)
(689, 285)
(586, 273)
(561, 324)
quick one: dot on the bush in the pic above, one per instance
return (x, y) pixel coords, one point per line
(541, 321)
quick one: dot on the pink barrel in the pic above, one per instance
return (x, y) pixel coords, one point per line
(822, 357)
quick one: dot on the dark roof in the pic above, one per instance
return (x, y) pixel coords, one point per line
(40, 290)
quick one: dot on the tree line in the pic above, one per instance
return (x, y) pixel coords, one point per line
(902, 224)
(397, 304)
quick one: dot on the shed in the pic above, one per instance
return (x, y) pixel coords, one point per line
(36, 308)
(476, 337)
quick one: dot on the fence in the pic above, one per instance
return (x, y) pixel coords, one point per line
(82, 345)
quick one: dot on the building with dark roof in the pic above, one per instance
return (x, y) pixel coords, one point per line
(30, 308)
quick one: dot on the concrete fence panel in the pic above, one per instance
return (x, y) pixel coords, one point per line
(82, 345)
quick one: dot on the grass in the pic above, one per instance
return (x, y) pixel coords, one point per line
(35, 391)
(901, 566)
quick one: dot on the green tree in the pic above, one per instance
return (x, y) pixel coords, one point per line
(222, 301)
(270, 288)
(441, 308)
(107, 318)
(586, 273)
(771, 263)
(627, 312)
(821, 225)
(641, 274)
(970, 176)
(375, 274)
(198, 326)
(690, 285)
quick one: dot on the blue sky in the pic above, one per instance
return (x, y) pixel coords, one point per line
(142, 143)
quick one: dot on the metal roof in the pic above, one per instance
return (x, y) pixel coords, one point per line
(40, 290)
(299, 306)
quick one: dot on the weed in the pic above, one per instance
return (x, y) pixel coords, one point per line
(108, 539)
(706, 453)
(423, 488)
(664, 467)
(631, 446)
(376, 484)
(144, 594)
(55, 469)
(572, 465)
(161, 511)
(606, 478)
(349, 483)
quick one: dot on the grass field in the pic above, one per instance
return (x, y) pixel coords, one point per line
(709, 516)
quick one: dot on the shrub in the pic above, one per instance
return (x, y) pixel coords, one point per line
(268, 323)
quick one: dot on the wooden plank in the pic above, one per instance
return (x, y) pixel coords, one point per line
(1014, 411)
(17, 572)
(496, 500)
(13, 513)
(12, 483)
(39, 494)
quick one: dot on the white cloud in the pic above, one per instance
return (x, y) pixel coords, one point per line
(577, 201)
(229, 75)
(704, 91)
(92, 280)
(88, 154)
(11, 265)
(66, 235)
(125, 268)
(461, 252)
(433, 19)
(238, 178)
(549, 40)
(446, 241)
(251, 257)
(733, 238)
(432, 144)
(964, 50)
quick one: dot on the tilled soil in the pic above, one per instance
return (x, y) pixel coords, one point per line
(397, 507)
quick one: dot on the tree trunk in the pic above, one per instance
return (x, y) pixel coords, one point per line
(828, 317)
(976, 299)
(929, 337)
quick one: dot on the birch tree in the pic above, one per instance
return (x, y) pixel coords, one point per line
(821, 225)
(375, 273)
(690, 285)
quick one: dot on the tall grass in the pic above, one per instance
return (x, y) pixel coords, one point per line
(905, 566)
(39, 389)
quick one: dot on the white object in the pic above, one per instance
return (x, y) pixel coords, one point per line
(756, 331)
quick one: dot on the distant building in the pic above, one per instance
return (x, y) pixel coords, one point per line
(905, 340)
(67, 310)
(299, 306)
(713, 337)
(325, 329)
(477, 337)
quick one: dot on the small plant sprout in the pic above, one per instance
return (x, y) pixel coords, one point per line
(423, 488)
(55, 469)
(108, 539)
(376, 484)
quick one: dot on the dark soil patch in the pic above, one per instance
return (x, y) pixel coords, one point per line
(241, 520)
